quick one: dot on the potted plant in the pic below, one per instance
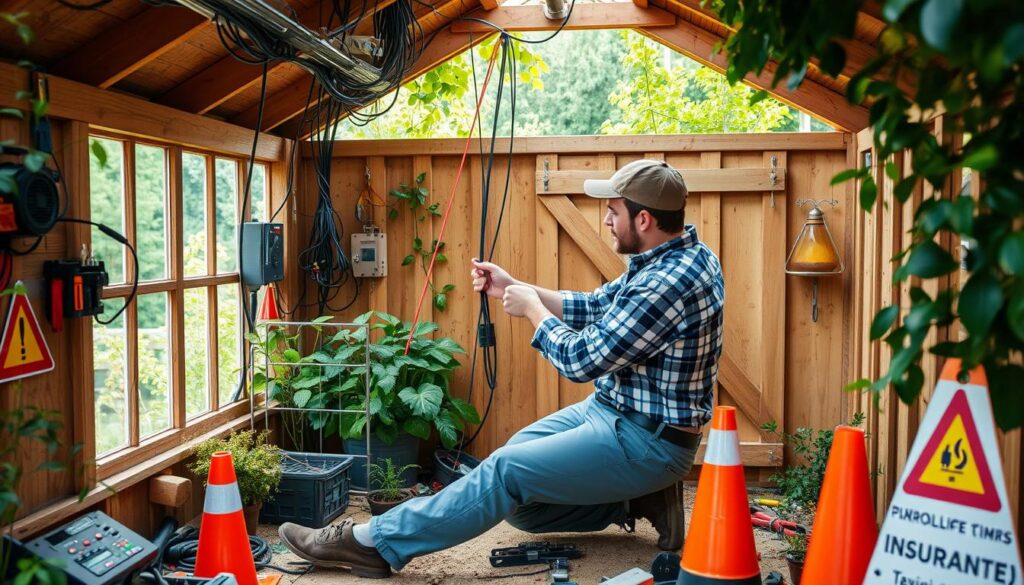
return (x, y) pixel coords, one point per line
(796, 551)
(409, 393)
(389, 486)
(257, 467)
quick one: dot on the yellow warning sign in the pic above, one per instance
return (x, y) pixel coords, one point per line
(952, 465)
(23, 349)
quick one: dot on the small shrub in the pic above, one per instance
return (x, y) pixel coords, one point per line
(257, 463)
(796, 546)
(387, 480)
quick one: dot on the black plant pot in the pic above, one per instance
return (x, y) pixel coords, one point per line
(449, 466)
(404, 451)
(378, 507)
(796, 567)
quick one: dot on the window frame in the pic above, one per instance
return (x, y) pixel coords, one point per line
(182, 428)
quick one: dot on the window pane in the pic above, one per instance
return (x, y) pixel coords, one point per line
(197, 387)
(227, 215)
(258, 193)
(228, 341)
(193, 184)
(154, 365)
(106, 203)
(151, 211)
(110, 379)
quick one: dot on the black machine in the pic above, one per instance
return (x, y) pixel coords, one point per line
(95, 550)
(33, 209)
(262, 253)
(76, 289)
(532, 553)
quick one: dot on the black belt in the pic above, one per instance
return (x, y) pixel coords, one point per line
(670, 434)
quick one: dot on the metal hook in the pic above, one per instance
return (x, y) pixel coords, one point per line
(773, 176)
(367, 175)
(546, 174)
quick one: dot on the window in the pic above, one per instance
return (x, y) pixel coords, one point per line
(187, 304)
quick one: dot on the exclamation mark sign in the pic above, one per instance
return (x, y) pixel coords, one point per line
(21, 333)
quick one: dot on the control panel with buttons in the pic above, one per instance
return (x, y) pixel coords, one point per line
(95, 549)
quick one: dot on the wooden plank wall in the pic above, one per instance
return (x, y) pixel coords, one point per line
(877, 236)
(769, 333)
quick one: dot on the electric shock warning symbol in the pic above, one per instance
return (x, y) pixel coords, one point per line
(952, 467)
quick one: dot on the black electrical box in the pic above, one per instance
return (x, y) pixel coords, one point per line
(75, 289)
(262, 253)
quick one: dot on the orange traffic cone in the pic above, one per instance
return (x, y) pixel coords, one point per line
(844, 531)
(720, 548)
(223, 541)
(268, 311)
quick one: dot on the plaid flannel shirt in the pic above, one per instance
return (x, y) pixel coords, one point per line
(650, 340)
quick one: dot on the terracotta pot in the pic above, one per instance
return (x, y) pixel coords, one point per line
(796, 567)
(252, 517)
(378, 507)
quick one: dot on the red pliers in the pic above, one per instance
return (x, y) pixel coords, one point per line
(764, 518)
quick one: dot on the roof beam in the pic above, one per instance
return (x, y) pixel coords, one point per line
(118, 52)
(584, 17)
(228, 77)
(446, 44)
(810, 97)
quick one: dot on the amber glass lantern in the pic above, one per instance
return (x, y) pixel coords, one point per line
(814, 253)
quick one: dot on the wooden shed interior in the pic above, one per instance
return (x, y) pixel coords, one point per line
(144, 75)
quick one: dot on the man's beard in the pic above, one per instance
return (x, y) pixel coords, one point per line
(628, 243)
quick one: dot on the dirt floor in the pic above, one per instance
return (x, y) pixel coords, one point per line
(608, 553)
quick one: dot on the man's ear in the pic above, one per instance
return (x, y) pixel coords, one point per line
(645, 220)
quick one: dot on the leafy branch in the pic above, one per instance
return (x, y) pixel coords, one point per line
(415, 197)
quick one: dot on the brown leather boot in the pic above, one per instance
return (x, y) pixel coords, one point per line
(334, 546)
(664, 509)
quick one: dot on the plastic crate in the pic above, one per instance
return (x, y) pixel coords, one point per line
(314, 490)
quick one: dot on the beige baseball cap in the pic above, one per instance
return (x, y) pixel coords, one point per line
(651, 183)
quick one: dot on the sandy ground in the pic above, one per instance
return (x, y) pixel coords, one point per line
(607, 553)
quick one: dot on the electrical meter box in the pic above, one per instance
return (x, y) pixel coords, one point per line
(262, 253)
(370, 253)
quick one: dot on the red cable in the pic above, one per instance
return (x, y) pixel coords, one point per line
(451, 199)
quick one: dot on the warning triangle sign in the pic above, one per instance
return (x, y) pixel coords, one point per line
(953, 467)
(23, 349)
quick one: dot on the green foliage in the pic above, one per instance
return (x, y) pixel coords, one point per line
(682, 96)
(415, 198)
(257, 463)
(965, 58)
(801, 484)
(386, 480)
(796, 546)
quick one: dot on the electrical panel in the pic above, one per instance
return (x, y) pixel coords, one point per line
(370, 253)
(262, 253)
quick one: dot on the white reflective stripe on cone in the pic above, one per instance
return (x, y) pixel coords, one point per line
(222, 499)
(723, 448)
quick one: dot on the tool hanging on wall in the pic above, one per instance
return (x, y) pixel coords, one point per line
(75, 288)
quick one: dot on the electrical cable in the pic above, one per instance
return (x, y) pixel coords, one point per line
(117, 237)
(91, 6)
(181, 549)
(501, 30)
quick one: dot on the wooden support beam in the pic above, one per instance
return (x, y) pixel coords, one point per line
(119, 52)
(584, 17)
(170, 490)
(546, 255)
(580, 230)
(697, 180)
(228, 77)
(811, 97)
(109, 110)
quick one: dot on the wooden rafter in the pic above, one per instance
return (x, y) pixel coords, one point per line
(584, 17)
(117, 53)
(228, 77)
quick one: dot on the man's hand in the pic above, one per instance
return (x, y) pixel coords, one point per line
(519, 300)
(490, 278)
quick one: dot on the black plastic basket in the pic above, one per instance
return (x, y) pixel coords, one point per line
(313, 491)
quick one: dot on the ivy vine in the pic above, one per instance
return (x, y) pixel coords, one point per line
(415, 198)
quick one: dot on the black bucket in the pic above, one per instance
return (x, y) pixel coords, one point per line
(447, 469)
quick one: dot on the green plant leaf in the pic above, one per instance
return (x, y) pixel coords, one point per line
(929, 260)
(868, 194)
(301, 397)
(446, 429)
(883, 321)
(466, 410)
(100, 153)
(980, 300)
(848, 174)
(1011, 254)
(982, 159)
(417, 244)
(938, 20)
(307, 382)
(292, 356)
(408, 260)
(417, 427)
(424, 400)
(440, 301)
(1015, 314)
(13, 113)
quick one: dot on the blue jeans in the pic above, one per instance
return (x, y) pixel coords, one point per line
(572, 471)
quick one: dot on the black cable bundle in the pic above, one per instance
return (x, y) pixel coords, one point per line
(181, 549)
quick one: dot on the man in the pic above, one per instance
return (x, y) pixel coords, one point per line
(650, 340)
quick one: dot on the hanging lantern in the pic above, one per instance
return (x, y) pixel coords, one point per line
(814, 253)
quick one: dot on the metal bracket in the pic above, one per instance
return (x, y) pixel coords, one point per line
(367, 175)
(773, 176)
(817, 202)
(547, 175)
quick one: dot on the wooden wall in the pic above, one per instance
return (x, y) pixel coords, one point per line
(878, 236)
(779, 365)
